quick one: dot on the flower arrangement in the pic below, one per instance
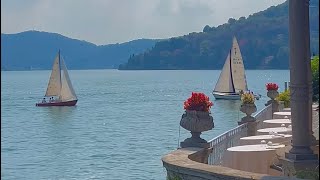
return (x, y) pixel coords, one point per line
(285, 97)
(198, 102)
(247, 98)
(272, 86)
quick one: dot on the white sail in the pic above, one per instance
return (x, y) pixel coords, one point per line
(54, 85)
(225, 83)
(67, 91)
(237, 66)
(232, 78)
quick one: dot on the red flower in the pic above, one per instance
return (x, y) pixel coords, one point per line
(272, 86)
(198, 102)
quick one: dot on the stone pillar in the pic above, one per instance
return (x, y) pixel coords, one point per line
(252, 128)
(300, 156)
(275, 105)
(300, 81)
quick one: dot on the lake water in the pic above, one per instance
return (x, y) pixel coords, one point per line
(124, 122)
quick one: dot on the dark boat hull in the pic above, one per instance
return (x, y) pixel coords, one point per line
(66, 103)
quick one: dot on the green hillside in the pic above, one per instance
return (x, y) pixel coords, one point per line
(263, 39)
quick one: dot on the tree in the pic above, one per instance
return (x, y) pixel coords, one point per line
(231, 21)
(206, 28)
(315, 78)
(242, 18)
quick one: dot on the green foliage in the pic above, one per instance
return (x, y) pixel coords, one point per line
(315, 78)
(206, 28)
(175, 177)
(285, 97)
(231, 21)
(263, 39)
(308, 174)
(247, 98)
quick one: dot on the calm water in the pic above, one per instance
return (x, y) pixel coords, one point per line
(124, 122)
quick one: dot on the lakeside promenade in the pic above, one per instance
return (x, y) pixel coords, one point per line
(202, 163)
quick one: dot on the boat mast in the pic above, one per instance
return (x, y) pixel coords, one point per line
(231, 73)
(60, 74)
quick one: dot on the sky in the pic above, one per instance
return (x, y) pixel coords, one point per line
(115, 21)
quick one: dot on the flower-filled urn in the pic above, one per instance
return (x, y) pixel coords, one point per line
(248, 107)
(272, 93)
(196, 119)
(272, 90)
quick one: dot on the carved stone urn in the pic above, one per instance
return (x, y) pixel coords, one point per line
(248, 109)
(272, 94)
(196, 122)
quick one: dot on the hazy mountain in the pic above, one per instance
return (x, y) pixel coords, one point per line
(37, 50)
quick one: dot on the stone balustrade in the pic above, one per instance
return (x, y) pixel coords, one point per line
(193, 163)
(189, 164)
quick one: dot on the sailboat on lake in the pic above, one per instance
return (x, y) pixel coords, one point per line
(232, 80)
(59, 91)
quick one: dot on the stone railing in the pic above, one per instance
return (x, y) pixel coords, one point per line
(231, 138)
(224, 141)
(205, 164)
(189, 164)
(264, 114)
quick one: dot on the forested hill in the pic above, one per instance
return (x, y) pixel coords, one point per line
(263, 40)
(32, 50)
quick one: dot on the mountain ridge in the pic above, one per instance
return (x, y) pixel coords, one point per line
(41, 47)
(263, 40)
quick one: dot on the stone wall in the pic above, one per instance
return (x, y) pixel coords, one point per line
(187, 164)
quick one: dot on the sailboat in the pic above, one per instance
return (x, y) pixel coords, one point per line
(232, 80)
(59, 91)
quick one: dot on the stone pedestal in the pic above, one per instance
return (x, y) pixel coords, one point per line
(291, 167)
(275, 105)
(195, 141)
(252, 128)
(272, 94)
(281, 106)
(196, 122)
(248, 109)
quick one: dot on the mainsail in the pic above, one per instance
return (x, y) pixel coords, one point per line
(59, 83)
(54, 85)
(225, 83)
(232, 77)
(238, 73)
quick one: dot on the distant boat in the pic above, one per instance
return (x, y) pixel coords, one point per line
(232, 80)
(59, 91)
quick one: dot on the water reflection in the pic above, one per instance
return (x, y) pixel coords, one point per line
(59, 113)
(226, 111)
(61, 135)
(228, 104)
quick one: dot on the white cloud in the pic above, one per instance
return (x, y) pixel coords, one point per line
(111, 21)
